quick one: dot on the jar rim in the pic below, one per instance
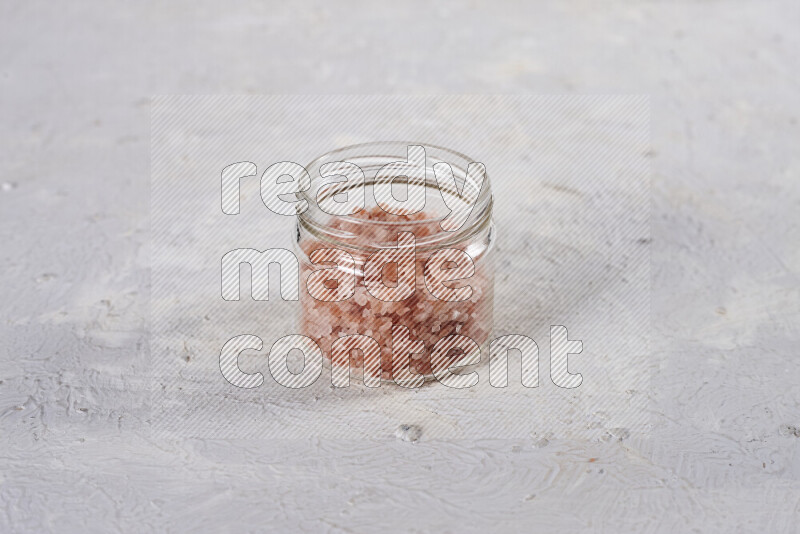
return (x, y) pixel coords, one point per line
(483, 202)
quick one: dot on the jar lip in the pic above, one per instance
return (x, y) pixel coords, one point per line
(484, 197)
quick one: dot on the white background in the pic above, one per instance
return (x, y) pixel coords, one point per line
(723, 455)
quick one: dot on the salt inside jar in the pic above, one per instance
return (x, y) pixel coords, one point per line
(383, 319)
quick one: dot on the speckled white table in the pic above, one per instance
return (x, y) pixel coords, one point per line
(77, 454)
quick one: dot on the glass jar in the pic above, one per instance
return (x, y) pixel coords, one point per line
(427, 316)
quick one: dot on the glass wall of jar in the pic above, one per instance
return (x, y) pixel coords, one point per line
(331, 222)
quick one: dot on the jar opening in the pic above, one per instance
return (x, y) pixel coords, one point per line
(441, 196)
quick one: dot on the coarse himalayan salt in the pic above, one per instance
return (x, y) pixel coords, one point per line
(428, 318)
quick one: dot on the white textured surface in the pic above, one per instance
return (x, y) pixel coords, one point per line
(723, 455)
